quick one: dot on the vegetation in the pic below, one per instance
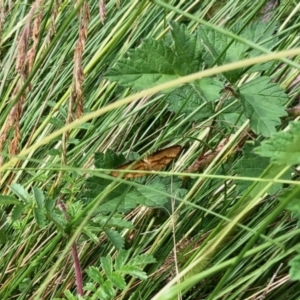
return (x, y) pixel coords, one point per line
(149, 150)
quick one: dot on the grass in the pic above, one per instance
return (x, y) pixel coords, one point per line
(220, 221)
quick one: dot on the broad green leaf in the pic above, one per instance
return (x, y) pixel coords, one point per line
(49, 204)
(252, 165)
(197, 97)
(115, 237)
(154, 62)
(6, 200)
(17, 212)
(20, 192)
(187, 48)
(106, 263)
(113, 222)
(117, 280)
(39, 215)
(151, 64)
(39, 197)
(133, 271)
(106, 291)
(121, 259)
(109, 159)
(95, 275)
(263, 104)
(283, 147)
(142, 260)
(295, 267)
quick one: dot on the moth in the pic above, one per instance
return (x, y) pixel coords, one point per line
(154, 162)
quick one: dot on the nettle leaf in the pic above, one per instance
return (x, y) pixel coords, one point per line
(263, 104)
(187, 48)
(283, 147)
(154, 62)
(252, 165)
(109, 159)
(113, 222)
(197, 97)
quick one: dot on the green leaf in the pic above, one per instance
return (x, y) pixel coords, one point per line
(263, 104)
(49, 204)
(39, 197)
(142, 260)
(283, 147)
(133, 271)
(295, 268)
(121, 259)
(117, 280)
(20, 192)
(39, 215)
(95, 275)
(106, 291)
(109, 159)
(106, 263)
(187, 48)
(6, 200)
(252, 165)
(113, 222)
(151, 64)
(199, 97)
(154, 62)
(17, 212)
(115, 237)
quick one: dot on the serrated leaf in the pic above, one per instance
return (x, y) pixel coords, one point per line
(154, 62)
(133, 271)
(295, 267)
(106, 291)
(113, 222)
(17, 212)
(49, 204)
(283, 147)
(7, 200)
(39, 215)
(90, 287)
(142, 260)
(20, 192)
(187, 48)
(126, 205)
(187, 99)
(151, 64)
(39, 197)
(263, 104)
(117, 280)
(252, 165)
(95, 275)
(121, 259)
(115, 237)
(106, 263)
(109, 159)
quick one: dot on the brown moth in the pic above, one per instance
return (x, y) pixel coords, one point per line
(154, 162)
